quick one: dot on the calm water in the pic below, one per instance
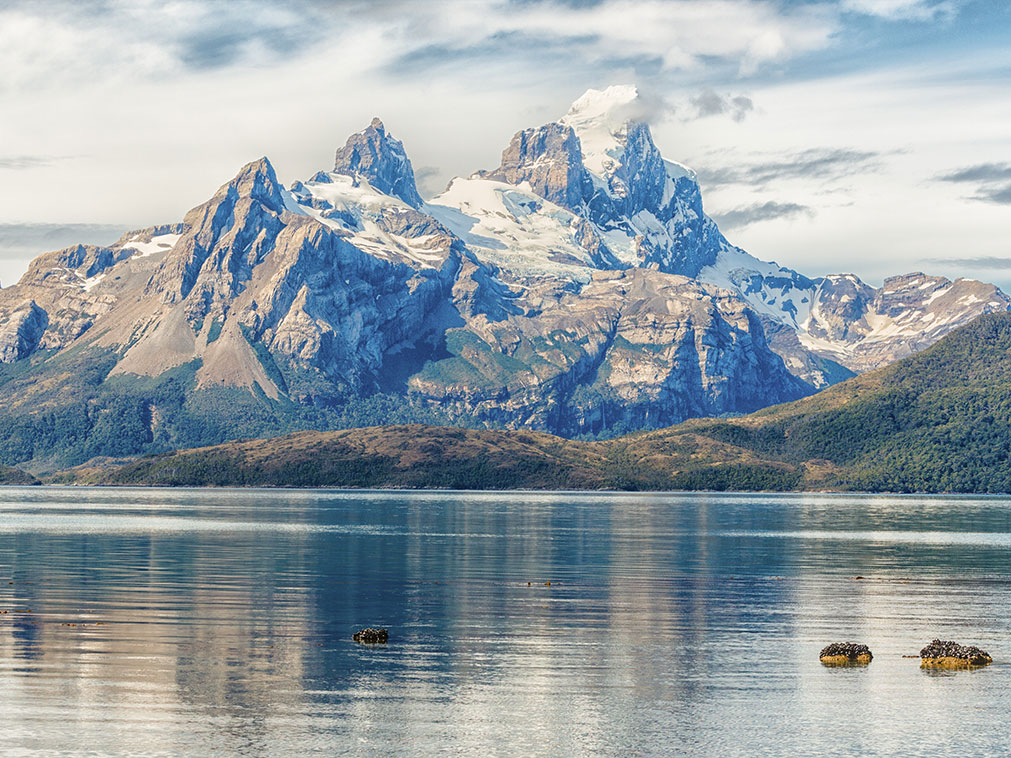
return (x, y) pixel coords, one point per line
(182, 622)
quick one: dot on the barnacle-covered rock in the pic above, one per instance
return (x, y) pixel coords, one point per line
(949, 654)
(845, 653)
(372, 636)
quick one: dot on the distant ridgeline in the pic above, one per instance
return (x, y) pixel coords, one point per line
(577, 289)
(939, 421)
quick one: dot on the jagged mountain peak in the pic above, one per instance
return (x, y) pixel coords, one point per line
(608, 121)
(557, 292)
(550, 159)
(257, 180)
(376, 156)
(599, 162)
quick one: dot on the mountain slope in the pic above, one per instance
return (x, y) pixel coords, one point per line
(939, 421)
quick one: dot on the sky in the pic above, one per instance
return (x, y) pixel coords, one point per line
(833, 136)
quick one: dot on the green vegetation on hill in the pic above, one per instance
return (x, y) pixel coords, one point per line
(391, 456)
(939, 421)
(60, 410)
(16, 477)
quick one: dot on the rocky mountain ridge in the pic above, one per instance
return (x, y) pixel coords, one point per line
(578, 288)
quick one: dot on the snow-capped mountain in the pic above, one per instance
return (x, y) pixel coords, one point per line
(578, 287)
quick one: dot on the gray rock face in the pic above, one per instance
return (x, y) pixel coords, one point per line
(864, 328)
(230, 234)
(251, 269)
(660, 210)
(21, 333)
(334, 309)
(85, 260)
(632, 349)
(377, 157)
(550, 159)
(639, 181)
(830, 328)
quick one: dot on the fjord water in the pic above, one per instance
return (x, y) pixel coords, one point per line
(188, 622)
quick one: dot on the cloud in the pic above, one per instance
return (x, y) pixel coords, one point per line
(711, 103)
(52, 44)
(981, 172)
(670, 35)
(30, 239)
(817, 163)
(991, 262)
(214, 47)
(429, 180)
(992, 180)
(48, 45)
(753, 214)
(999, 195)
(650, 106)
(23, 162)
(914, 10)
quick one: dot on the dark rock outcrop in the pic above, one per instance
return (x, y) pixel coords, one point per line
(371, 636)
(845, 652)
(949, 654)
(550, 159)
(228, 236)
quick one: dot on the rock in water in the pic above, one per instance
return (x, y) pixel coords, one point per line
(841, 653)
(948, 654)
(372, 636)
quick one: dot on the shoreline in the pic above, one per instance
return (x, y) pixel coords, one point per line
(496, 490)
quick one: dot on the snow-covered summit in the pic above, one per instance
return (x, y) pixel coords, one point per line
(599, 119)
(611, 104)
(627, 206)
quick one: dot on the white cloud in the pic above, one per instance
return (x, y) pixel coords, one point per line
(678, 33)
(175, 96)
(878, 208)
(53, 46)
(920, 10)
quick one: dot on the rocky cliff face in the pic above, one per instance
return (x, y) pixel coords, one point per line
(635, 347)
(577, 288)
(379, 159)
(551, 161)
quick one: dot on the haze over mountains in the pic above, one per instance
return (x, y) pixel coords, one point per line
(578, 288)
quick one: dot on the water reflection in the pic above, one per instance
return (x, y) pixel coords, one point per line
(186, 622)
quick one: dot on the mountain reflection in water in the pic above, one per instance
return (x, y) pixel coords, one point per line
(173, 622)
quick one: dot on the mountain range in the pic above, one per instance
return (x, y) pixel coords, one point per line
(578, 288)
